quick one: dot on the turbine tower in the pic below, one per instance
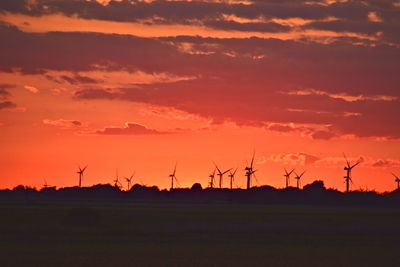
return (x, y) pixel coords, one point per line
(211, 176)
(397, 180)
(221, 175)
(250, 172)
(298, 177)
(173, 178)
(232, 177)
(348, 169)
(81, 172)
(129, 180)
(287, 176)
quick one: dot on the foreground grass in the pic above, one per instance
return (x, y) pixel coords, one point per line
(170, 234)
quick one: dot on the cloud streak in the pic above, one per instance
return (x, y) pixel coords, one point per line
(129, 129)
(62, 123)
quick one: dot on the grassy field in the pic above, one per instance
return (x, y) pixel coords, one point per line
(170, 234)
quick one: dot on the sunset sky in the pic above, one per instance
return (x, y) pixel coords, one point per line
(138, 85)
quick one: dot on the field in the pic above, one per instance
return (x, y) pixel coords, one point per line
(219, 234)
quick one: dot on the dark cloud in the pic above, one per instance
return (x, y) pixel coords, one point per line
(129, 129)
(323, 135)
(4, 97)
(95, 94)
(7, 105)
(352, 15)
(4, 93)
(227, 101)
(77, 79)
(249, 81)
(249, 26)
(281, 128)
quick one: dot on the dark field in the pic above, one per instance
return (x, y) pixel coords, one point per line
(170, 234)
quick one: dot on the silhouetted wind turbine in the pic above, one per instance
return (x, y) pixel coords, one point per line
(117, 183)
(397, 180)
(81, 172)
(298, 177)
(173, 178)
(348, 169)
(45, 185)
(221, 174)
(211, 176)
(287, 175)
(250, 172)
(232, 177)
(129, 180)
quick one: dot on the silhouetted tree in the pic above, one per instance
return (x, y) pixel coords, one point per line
(196, 187)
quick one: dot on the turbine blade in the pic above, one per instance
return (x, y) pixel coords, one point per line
(252, 160)
(226, 171)
(175, 168)
(219, 171)
(347, 161)
(358, 162)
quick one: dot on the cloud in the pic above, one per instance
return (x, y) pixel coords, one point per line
(299, 158)
(382, 163)
(243, 80)
(3, 90)
(78, 79)
(323, 135)
(4, 105)
(62, 123)
(281, 127)
(129, 129)
(31, 89)
(4, 94)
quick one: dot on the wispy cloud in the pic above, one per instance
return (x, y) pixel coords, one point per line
(129, 129)
(62, 123)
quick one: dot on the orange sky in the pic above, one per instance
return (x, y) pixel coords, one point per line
(141, 90)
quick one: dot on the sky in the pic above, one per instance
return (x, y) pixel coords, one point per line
(137, 86)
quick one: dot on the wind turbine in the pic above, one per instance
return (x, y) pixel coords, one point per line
(211, 176)
(45, 185)
(397, 180)
(117, 183)
(221, 174)
(249, 172)
(232, 177)
(298, 177)
(173, 178)
(129, 180)
(348, 169)
(287, 175)
(81, 172)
